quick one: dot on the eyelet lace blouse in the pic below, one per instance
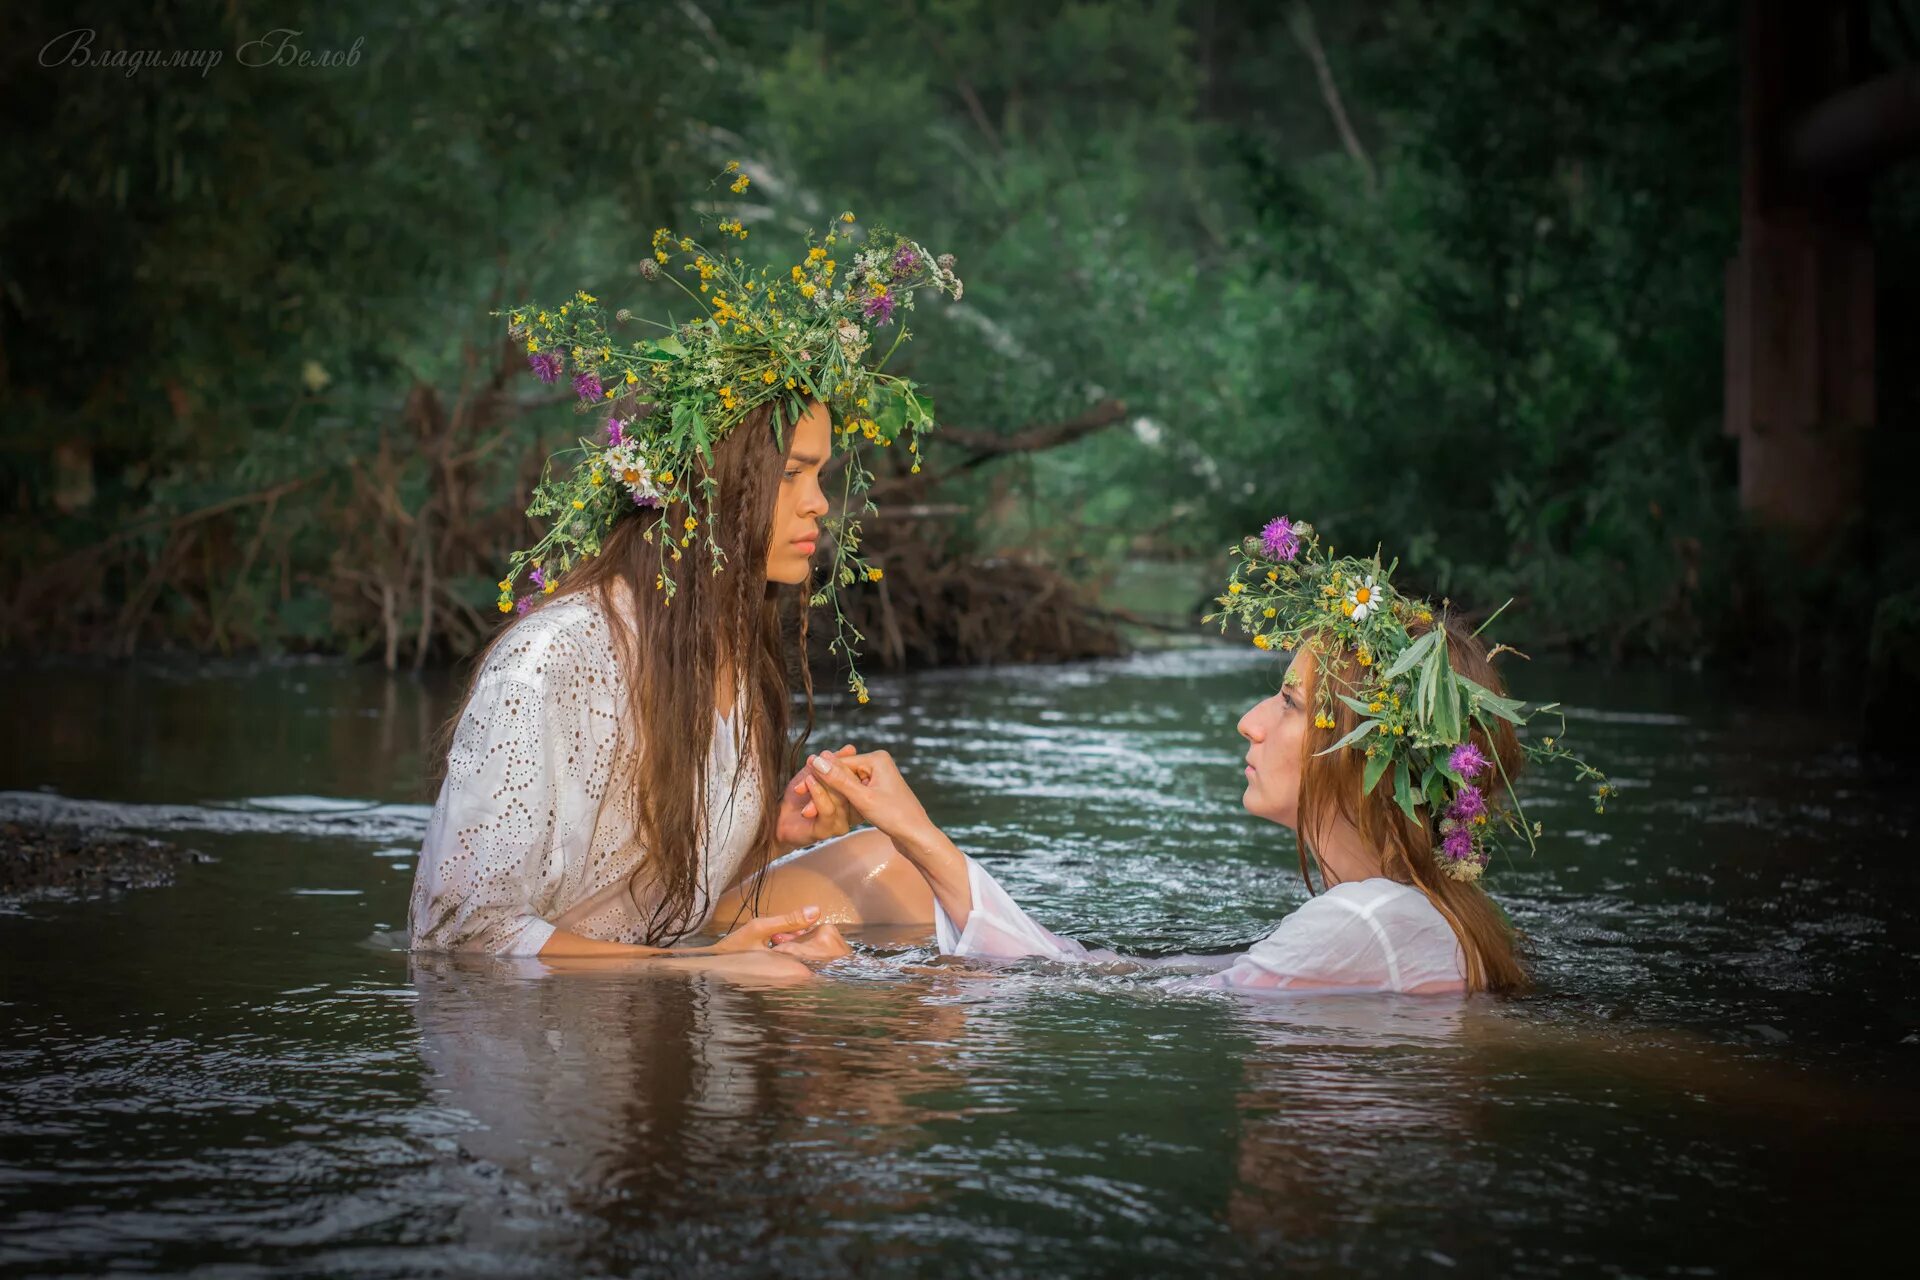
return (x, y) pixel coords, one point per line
(534, 826)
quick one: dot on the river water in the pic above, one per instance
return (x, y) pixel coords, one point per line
(241, 1074)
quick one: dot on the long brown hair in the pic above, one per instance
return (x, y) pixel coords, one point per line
(672, 656)
(1330, 792)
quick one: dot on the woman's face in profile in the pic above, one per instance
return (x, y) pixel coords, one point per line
(797, 511)
(1275, 730)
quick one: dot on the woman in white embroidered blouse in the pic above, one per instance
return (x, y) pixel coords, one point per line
(605, 790)
(1389, 919)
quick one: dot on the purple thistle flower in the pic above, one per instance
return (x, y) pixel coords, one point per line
(1468, 804)
(905, 259)
(1458, 843)
(642, 500)
(538, 577)
(616, 435)
(1279, 539)
(1467, 760)
(879, 309)
(523, 604)
(546, 364)
(587, 386)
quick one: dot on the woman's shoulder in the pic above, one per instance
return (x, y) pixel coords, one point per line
(1364, 903)
(1373, 893)
(563, 642)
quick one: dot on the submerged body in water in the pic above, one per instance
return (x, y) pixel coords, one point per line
(1360, 936)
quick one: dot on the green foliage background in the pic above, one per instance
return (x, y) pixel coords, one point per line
(1485, 335)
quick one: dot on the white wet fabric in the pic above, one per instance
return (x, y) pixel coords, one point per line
(534, 829)
(1359, 936)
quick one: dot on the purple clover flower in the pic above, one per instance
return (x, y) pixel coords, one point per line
(1468, 804)
(538, 577)
(879, 309)
(1467, 760)
(523, 604)
(1458, 843)
(1279, 539)
(616, 433)
(546, 364)
(588, 386)
(905, 259)
(642, 500)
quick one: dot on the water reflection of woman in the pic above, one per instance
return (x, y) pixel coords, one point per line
(649, 1094)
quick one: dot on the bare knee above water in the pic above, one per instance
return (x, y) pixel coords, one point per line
(855, 880)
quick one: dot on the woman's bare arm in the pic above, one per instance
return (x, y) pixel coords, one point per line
(755, 935)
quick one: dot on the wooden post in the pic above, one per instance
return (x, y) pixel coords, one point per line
(1799, 296)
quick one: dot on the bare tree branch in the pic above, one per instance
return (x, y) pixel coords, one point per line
(1300, 22)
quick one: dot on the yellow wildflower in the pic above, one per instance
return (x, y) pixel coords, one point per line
(1271, 612)
(740, 184)
(768, 376)
(692, 524)
(807, 290)
(597, 478)
(506, 606)
(847, 216)
(1261, 642)
(579, 505)
(1235, 589)
(666, 477)
(874, 575)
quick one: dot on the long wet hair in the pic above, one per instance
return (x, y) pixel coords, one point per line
(671, 658)
(1330, 792)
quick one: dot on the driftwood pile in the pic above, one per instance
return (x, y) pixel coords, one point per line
(943, 604)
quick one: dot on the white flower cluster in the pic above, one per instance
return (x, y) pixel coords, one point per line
(628, 465)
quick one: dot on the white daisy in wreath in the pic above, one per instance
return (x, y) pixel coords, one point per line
(1364, 599)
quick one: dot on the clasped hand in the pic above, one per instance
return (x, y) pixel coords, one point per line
(810, 811)
(798, 933)
(873, 787)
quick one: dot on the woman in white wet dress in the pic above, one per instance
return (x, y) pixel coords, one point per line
(1402, 908)
(616, 781)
